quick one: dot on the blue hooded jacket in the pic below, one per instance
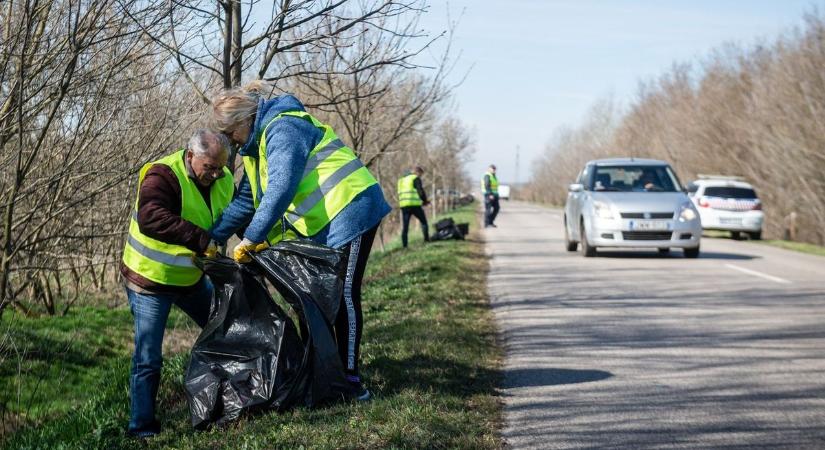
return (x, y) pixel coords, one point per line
(289, 141)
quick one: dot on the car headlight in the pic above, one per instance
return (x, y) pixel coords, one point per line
(603, 210)
(688, 213)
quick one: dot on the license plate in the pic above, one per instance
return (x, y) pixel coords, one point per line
(653, 225)
(730, 220)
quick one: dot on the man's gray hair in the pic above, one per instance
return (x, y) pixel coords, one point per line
(201, 141)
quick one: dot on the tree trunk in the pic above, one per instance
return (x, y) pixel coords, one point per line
(227, 45)
(237, 52)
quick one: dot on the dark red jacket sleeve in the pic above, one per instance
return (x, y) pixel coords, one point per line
(159, 209)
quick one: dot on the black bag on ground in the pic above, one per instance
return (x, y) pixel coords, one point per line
(446, 229)
(250, 355)
(444, 224)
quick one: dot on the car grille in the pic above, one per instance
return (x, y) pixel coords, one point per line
(655, 215)
(646, 235)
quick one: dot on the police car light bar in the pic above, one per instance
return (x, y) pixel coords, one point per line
(703, 176)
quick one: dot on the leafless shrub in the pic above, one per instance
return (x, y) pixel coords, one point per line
(92, 90)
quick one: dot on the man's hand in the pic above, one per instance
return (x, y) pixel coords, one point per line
(242, 250)
(211, 250)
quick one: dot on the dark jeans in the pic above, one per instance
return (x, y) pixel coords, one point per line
(419, 214)
(349, 323)
(150, 311)
(490, 209)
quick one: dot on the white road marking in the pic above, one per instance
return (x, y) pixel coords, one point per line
(759, 274)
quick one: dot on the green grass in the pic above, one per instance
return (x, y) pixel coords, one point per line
(802, 247)
(811, 249)
(50, 365)
(429, 355)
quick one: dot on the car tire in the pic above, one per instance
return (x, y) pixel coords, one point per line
(569, 245)
(664, 251)
(756, 235)
(691, 252)
(735, 235)
(587, 250)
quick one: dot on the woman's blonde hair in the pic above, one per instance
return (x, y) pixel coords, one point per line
(234, 106)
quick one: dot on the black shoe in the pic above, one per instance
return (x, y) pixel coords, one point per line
(362, 394)
(493, 225)
(359, 392)
(150, 431)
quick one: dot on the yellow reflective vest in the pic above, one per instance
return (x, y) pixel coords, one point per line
(493, 184)
(171, 264)
(407, 194)
(332, 178)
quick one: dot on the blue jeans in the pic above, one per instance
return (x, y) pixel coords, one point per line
(150, 312)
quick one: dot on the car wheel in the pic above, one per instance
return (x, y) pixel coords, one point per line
(735, 235)
(587, 250)
(571, 246)
(691, 252)
(756, 235)
(664, 251)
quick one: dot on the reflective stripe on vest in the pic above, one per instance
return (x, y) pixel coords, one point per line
(332, 178)
(493, 184)
(407, 193)
(171, 264)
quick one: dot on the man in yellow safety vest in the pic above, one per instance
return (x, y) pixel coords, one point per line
(179, 198)
(489, 189)
(411, 199)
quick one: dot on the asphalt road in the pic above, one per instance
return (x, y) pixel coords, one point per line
(633, 350)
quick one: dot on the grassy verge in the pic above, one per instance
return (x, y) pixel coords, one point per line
(802, 247)
(429, 355)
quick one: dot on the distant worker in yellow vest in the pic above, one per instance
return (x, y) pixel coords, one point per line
(179, 198)
(411, 200)
(301, 182)
(489, 189)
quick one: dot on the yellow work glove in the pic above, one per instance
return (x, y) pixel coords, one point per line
(211, 250)
(242, 250)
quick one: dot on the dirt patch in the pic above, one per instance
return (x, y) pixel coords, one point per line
(179, 340)
(175, 340)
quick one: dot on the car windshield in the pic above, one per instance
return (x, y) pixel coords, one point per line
(729, 192)
(634, 179)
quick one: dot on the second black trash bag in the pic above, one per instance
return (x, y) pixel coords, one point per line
(250, 356)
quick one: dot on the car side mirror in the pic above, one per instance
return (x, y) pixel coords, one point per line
(575, 187)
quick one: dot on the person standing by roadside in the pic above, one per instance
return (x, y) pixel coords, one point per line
(489, 189)
(301, 182)
(411, 199)
(179, 197)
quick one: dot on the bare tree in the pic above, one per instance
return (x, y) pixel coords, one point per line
(77, 80)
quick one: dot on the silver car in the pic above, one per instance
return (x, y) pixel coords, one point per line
(630, 202)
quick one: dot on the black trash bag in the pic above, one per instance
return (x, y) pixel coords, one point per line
(249, 355)
(446, 229)
(444, 224)
(310, 277)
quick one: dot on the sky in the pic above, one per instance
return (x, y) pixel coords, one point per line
(537, 65)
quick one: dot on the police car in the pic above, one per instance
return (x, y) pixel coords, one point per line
(727, 203)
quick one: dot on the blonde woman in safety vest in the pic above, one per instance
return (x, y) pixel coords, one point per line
(411, 200)
(301, 182)
(179, 199)
(489, 189)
